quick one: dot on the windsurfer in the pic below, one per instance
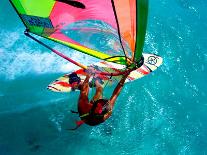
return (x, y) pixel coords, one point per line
(97, 110)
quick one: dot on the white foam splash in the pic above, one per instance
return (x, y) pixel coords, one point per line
(9, 39)
(21, 59)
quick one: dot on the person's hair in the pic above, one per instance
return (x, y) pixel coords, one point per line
(73, 77)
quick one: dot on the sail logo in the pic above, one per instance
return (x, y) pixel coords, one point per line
(37, 21)
(152, 60)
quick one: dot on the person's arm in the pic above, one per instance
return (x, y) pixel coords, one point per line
(85, 87)
(86, 81)
(118, 89)
(115, 94)
(89, 71)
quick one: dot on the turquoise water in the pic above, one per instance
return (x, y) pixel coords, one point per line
(163, 113)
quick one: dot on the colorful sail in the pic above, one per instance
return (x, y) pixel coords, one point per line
(106, 29)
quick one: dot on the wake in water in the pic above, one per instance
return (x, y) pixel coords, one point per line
(31, 58)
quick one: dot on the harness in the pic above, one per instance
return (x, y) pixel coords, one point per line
(92, 118)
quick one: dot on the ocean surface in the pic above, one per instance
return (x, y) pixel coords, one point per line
(163, 113)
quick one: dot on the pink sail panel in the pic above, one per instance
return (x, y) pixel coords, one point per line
(63, 15)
